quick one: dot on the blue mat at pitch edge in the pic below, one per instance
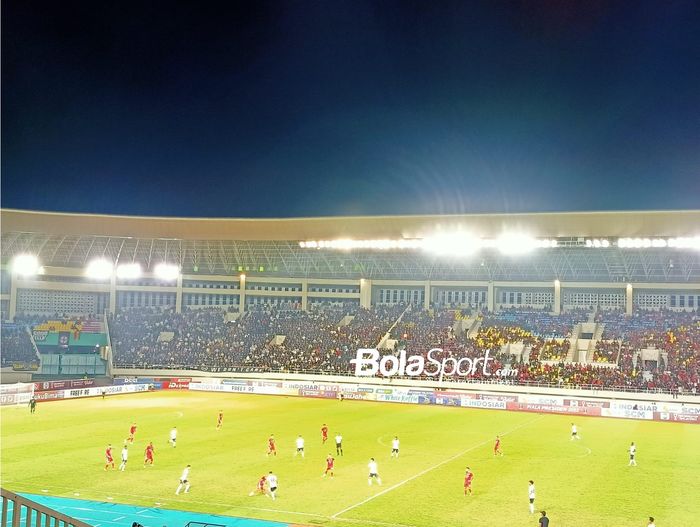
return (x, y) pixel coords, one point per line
(107, 514)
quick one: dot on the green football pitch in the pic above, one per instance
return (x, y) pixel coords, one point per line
(59, 450)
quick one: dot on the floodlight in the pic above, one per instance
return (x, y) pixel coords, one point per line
(166, 271)
(546, 244)
(25, 265)
(452, 244)
(685, 243)
(512, 244)
(99, 269)
(128, 271)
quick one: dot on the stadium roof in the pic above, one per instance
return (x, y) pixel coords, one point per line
(547, 225)
(271, 246)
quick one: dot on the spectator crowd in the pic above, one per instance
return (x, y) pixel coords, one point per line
(326, 338)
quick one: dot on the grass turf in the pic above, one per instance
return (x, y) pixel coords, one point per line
(60, 449)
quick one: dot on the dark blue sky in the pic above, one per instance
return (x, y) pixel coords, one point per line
(331, 107)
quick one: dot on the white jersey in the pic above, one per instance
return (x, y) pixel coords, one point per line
(373, 467)
(574, 430)
(300, 442)
(185, 474)
(531, 491)
(125, 454)
(633, 450)
(173, 434)
(272, 481)
(338, 439)
(395, 444)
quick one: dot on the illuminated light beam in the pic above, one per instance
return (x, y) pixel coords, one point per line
(99, 269)
(452, 244)
(129, 271)
(26, 265)
(166, 271)
(515, 244)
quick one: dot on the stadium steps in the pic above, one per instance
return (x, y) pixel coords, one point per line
(573, 343)
(591, 350)
(474, 329)
(597, 336)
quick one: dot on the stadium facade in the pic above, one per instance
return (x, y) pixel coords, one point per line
(600, 260)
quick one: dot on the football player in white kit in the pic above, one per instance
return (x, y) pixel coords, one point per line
(373, 472)
(574, 432)
(272, 483)
(184, 480)
(633, 453)
(125, 457)
(300, 446)
(395, 447)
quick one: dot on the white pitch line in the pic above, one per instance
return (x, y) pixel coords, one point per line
(588, 451)
(429, 469)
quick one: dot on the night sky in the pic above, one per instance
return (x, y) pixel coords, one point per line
(281, 108)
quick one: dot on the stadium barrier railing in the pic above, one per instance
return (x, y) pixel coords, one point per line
(18, 511)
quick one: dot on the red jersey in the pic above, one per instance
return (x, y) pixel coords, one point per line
(324, 431)
(329, 462)
(468, 479)
(108, 454)
(261, 483)
(271, 443)
(149, 451)
(497, 445)
(132, 430)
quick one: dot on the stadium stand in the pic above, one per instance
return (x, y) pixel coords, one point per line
(539, 322)
(16, 345)
(584, 307)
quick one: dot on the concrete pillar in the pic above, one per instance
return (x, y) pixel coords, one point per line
(178, 294)
(365, 293)
(12, 309)
(557, 297)
(629, 298)
(304, 295)
(241, 302)
(491, 297)
(113, 293)
(426, 301)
